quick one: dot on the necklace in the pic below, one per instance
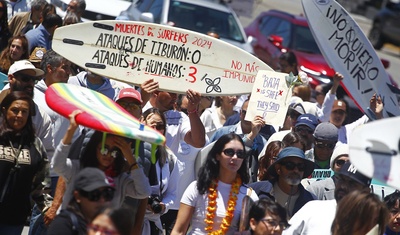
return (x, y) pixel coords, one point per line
(212, 207)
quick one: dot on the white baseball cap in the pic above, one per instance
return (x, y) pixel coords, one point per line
(24, 65)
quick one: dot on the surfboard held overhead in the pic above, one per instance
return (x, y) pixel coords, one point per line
(178, 59)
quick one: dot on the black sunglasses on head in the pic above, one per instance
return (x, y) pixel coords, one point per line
(95, 195)
(231, 152)
(291, 165)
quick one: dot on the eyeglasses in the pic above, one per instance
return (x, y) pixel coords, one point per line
(231, 152)
(95, 195)
(291, 165)
(114, 152)
(244, 112)
(340, 162)
(273, 223)
(323, 145)
(131, 106)
(25, 78)
(303, 129)
(102, 230)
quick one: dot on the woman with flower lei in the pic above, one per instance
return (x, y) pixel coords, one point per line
(212, 204)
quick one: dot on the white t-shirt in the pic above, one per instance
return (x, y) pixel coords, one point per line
(314, 218)
(192, 198)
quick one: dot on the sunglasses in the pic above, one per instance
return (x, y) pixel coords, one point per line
(95, 195)
(340, 162)
(322, 145)
(304, 129)
(25, 78)
(114, 152)
(291, 165)
(131, 106)
(101, 230)
(231, 152)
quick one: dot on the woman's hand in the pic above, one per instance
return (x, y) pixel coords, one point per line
(67, 139)
(125, 147)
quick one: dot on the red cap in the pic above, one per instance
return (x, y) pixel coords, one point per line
(130, 93)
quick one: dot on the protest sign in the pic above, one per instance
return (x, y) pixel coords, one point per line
(349, 52)
(178, 59)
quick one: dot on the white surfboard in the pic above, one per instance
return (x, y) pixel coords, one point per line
(349, 52)
(178, 59)
(374, 150)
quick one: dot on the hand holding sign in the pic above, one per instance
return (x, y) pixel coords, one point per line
(271, 95)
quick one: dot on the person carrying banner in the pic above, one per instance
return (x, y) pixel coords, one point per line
(182, 130)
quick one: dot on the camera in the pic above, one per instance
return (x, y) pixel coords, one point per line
(154, 202)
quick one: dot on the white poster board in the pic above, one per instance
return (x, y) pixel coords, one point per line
(270, 97)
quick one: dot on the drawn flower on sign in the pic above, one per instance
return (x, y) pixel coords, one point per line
(291, 80)
(213, 85)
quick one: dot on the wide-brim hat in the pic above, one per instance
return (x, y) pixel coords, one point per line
(292, 152)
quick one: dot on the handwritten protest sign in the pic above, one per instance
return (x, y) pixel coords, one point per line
(349, 52)
(178, 59)
(270, 98)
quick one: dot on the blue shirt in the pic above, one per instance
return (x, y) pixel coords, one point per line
(38, 37)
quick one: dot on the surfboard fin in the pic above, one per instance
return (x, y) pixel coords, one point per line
(380, 148)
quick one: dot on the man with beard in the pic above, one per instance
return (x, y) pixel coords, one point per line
(316, 217)
(290, 167)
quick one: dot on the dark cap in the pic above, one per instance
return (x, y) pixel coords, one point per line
(326, 131)
(292, 152)
(351, 171)
(90, 178)
(308, 120)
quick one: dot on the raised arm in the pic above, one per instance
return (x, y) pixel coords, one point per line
(197, 134)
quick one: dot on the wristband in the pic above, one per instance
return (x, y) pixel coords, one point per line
(194, 111)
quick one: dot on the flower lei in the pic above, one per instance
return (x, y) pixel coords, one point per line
(212, 207)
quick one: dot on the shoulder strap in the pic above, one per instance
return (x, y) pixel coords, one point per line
(249, 191)
(74, 221)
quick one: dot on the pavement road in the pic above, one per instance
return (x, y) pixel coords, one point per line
(389, 52)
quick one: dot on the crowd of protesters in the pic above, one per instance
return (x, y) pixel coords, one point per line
(63, 178)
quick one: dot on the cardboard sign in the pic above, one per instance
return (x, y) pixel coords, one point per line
(178, 59)
(270, 98)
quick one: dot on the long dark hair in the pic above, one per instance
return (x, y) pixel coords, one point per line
(4, 19)
(89, 155)
(28, 131)
(161, 153)
(210, 169)
(273, 148)
(5, 56)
